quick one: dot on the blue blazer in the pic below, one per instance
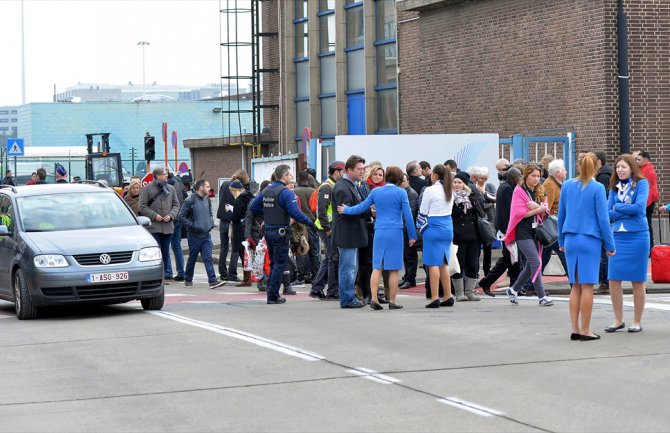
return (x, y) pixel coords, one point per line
(392, 205)
(584, 210)
(632, 216)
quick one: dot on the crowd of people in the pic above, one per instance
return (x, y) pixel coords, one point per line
(371, 221)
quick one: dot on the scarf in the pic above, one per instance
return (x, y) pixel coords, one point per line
(625, 190)
(373, 185)
(462, 197)
(164, 187)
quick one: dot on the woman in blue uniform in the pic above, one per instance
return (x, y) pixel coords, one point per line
(392, 205)
(627, 209)
(435, 215)
(583, 224)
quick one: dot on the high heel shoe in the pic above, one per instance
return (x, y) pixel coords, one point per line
(448, 303)
(434, 304)
(375, 306)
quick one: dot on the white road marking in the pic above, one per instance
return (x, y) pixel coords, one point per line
(167, 295)
(369, 374)
(244, 336)
(6, 317)
(469, 406)
(647, 305)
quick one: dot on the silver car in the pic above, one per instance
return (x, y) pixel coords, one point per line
(75, 243)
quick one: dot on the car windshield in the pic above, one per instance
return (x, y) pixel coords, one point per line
(73, 211)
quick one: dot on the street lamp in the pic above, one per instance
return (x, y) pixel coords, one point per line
(144, 81)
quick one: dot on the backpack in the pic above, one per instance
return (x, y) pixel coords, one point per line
(314, 200)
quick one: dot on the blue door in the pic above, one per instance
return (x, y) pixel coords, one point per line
(356, 114)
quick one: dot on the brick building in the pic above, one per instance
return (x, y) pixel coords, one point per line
(535, 67)
(529, 66)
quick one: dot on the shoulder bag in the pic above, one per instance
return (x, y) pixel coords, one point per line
(546, 231)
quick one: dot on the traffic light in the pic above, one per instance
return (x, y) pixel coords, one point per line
(149, 148)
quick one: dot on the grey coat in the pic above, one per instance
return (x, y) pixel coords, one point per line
(164, 204)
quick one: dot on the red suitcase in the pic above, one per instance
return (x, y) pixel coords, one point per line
(660, 264)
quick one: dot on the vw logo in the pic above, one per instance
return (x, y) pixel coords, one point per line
(105, 259)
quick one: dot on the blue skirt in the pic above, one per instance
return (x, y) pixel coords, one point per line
(631, 260)
(437, 240)
(582, 253)
(387, 249)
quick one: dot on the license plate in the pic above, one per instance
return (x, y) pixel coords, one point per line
(107, 276)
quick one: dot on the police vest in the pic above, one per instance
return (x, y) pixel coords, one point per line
(329, 213)
(273, 214)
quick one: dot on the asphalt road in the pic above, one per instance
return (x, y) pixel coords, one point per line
(223, 360)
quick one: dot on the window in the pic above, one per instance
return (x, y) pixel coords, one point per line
(328, 117)
(300, 9)
(328, 80)
(302, 117)
(386, 64)
(355, 27)
(302, 79)
(301, 40)
(386, 21)
(356, 70)
(4, 120)
(387, 110)
(325, 5)
(7, 217)
(327, 33)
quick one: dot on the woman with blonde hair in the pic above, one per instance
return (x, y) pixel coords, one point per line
(627, 209)
(133, 196)
(528, 209)
(583, 224)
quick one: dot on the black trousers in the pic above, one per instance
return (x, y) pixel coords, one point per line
(410, 258)
(503, 264)
(650, 213)
(365, 266)
(308, 266)
(468, 259)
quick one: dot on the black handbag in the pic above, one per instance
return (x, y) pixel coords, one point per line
(546, 231)
(485, 231)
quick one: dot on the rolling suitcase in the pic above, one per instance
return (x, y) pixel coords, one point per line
(660, 259)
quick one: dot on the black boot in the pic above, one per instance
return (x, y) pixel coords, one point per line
(287, 284)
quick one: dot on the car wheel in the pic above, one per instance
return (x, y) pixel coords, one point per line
(23, 305)
(154, 303)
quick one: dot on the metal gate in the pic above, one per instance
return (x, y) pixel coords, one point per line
(533, 148)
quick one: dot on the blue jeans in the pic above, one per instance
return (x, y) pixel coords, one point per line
(164, 244)
(348, 268)
(278, 246)
(176, 249)
(203, 246)
(546, 256)
(604, 263)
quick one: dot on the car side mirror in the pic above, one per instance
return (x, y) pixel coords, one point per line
(144, 221)
(4, 231)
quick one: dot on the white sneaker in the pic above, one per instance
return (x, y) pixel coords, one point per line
(511, 294)
(546, 302)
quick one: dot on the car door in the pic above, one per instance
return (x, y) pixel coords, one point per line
(7, 245)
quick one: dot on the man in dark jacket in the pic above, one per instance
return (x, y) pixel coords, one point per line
(196, 216)
(9, 178)
(225, 213)
(410, 254)
(503, 206)
(350, 232)
(604, 171)
(278, 205)
(324, 212)
(304, 192)
(413, 171)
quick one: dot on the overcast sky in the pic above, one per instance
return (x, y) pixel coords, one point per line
(95, 41)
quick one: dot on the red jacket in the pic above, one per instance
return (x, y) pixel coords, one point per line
(649, 172)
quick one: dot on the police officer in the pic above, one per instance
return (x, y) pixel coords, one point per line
(278, 205)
